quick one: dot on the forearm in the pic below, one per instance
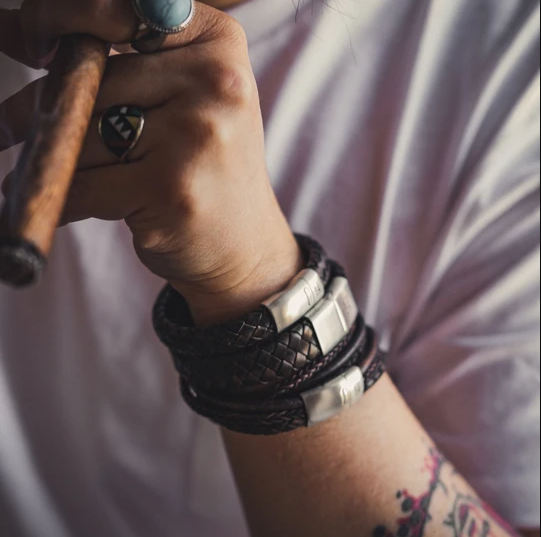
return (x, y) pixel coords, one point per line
(372, 471)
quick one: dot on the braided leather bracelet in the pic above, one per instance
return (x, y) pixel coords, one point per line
(276, 416)
(256, 377)
(174, 325)
(273, 364)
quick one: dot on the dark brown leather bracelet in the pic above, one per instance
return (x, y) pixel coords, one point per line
(281, 365)
(275, 364)
(174, 325)
(250, 377)
(281, 415)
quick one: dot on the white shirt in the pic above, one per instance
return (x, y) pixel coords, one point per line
(404, 136)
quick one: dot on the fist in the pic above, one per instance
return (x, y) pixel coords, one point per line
(195, 190)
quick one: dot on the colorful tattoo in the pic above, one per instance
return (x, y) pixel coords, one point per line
(469, 518)
(472, 518)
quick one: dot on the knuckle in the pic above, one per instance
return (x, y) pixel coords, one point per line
(174, 192)
(181, 198)
(201, 128)
(226, 28)
(210, 129)
(173, 182)
(232, 84)
(236, 32)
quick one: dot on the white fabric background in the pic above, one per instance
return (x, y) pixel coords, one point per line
(403, 135)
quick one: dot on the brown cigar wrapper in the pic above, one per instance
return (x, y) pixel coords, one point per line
(47, 164)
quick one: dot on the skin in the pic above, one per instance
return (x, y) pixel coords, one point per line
(208, 222)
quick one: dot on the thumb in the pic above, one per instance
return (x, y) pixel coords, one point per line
(12, 42)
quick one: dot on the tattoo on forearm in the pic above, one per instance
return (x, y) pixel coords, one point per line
(472, 518)
(469, 516)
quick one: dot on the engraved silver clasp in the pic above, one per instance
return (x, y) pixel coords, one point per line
(302, 294)
(329, 400)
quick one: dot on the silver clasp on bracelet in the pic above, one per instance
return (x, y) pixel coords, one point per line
(332, 319)
(334, 316)
(329, 400)
(291, 305)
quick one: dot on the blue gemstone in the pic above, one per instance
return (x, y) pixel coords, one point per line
(165, 14)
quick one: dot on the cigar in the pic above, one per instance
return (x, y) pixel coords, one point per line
(45, 170)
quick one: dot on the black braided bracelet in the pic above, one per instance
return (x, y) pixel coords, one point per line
(248, 376)
(284, 361)
(174, 325)
(282, 366)
(282, 415)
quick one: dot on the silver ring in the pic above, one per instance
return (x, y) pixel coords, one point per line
(164, 16)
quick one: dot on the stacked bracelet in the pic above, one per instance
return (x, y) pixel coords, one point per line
(175, 326)
(282, 415)
(296, 361)
(258, 361)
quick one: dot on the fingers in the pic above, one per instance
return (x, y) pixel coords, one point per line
(43, 22)
(12, 41)
(108, 193)
(208, 25)
(107, 189)
(129, 79)
(30, 35)
(17, 115)
(146, 81)
(11, 37)
(170, 86)
(149, 82)
(114, 21)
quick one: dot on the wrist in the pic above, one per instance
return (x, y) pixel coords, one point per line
(245, 288)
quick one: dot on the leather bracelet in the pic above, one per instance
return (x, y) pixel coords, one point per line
(276, 416)
(280, 366)
(174, 325)
(280, 363)
(263, 375)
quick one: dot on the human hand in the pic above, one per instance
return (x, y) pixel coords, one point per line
(195, 192)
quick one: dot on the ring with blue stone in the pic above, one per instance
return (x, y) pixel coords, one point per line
(164, 16)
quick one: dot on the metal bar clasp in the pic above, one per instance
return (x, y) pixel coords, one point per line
(329, 400)
(334, 316)
(302, 294)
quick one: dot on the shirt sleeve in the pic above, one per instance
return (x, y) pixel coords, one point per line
(467, 359)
